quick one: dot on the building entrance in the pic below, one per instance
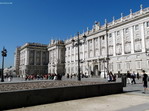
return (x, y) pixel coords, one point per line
(95, 70)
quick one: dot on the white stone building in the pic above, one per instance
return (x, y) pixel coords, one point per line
(127, 43)
(56, 57)
(33, 59)
(124, 41)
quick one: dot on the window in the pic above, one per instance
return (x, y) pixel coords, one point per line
(136, 27)
(126, 30)
(119, 66)
(111, 66)
(147, 24)
(118, 33)
(138, 64)
(128, 65)
(110, 35)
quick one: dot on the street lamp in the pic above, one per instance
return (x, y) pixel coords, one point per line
(107, 58)
(77, 45)
(4, 54)
(104, 60)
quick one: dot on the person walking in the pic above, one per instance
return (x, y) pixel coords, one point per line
(138, 76)
(133, 76)
(128, 77)
(145, 80)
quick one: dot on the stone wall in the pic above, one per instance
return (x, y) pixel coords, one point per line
(16, 99)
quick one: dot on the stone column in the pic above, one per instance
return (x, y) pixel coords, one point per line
(99, 68)
(83, 51)
(87, 49)
(122, 36)
(27, 57)
(106, 45)
(114, 44)
(74, 52)
(93, 47)
(143, 36)
(132, 38)
(99, 46)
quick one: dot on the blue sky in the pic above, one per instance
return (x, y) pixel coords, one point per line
(39, 21)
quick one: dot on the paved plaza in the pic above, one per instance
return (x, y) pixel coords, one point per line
(131, 100)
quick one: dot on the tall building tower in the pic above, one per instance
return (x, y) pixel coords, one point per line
(32, 58)
(56, 57)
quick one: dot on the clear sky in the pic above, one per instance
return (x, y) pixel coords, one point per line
(39, 21)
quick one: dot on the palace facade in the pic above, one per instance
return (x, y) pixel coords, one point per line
(122, 43)
(32, 58)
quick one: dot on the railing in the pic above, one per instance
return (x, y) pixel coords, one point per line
(146, 10)
(125, 18)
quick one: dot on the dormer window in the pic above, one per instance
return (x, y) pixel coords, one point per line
(136, 27)
(126, 30)
(110, 35)
(118, 33)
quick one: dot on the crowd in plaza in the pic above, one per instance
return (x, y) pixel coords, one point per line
(130, 78)
(49, 76)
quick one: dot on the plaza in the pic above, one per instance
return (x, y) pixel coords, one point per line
(131, 100)
(74, 55)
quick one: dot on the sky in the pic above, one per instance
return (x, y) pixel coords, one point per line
(39, 21)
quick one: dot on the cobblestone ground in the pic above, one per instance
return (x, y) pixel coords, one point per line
(13, 86)
(132, 100)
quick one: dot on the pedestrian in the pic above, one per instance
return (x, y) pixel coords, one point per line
(133, 76)
(145, 80)
(138, 76)
(114, 77)
(128, 77)
(109, 77)
(67, 76)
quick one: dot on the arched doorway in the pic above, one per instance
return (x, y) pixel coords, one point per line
(96, 70)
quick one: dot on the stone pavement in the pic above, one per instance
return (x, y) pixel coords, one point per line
(131, 100)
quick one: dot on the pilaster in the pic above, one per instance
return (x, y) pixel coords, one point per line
(132, 38)
(122, 36)
(114, 44)
(93, 47)
(143, 37)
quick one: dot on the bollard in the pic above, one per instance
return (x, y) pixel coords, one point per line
(124, 80)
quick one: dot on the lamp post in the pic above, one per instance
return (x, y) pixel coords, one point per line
(77, 45)
(107, 58)
(104, 60)
(4, 54)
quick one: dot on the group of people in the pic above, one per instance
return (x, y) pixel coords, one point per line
(8, 77)
(75, 75)
(45, 77)
(131, 79)
(111, 77)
